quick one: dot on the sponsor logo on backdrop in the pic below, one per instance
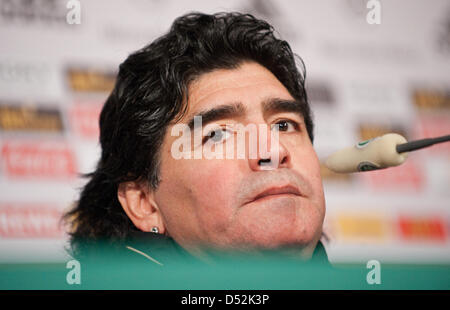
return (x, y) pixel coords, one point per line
(422, 228)
(429, 126)
(410, 176)
(84, 118)
(30, 221)
(87, 80)
(431, 99)
(23, 73)
(369, 131)
(320, 92)
(374, 227)
(448, 227)
(362, 227)
(43, 160)
(31, 12)
(29, 78)
(30, 118)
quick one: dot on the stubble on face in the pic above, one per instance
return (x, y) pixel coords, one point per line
(208, 203)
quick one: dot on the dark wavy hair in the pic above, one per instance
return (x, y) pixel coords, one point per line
(151, 92)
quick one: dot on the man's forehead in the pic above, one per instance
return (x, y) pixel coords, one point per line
(250, 83)
(246, 75)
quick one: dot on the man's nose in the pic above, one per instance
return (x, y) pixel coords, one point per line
(271, 153)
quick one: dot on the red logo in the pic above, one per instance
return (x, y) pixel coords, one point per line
(408, 176)
(25, 221)
(85, 119)
(422, 229)
(431, 126)
(42, 160)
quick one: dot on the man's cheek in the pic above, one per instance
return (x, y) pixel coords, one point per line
(216, 179)
(215, 189)
(213, 194)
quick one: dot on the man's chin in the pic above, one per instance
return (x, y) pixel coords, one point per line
(275, 242)
(283, 239)
(297, 250)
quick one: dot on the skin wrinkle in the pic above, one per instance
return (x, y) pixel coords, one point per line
(254, 182)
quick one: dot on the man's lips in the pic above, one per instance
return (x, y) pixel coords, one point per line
(277, 191)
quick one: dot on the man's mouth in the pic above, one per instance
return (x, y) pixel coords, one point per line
(277, 192)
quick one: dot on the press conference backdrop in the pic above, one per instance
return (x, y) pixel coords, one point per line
(363, 80)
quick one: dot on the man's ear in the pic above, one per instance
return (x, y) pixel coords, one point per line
(138, 202)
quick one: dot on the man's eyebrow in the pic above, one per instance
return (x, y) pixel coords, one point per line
(220, 112)
(230, 110)
(277, 105)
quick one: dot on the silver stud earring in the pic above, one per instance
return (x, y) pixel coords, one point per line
(155, 230)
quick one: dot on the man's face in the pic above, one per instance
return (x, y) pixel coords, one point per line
(239, 203)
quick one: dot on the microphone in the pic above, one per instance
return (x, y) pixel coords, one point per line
(382, 152)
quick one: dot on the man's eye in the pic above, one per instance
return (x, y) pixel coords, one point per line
(285, 125)
(217, 136)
